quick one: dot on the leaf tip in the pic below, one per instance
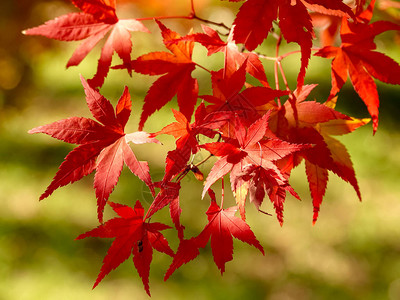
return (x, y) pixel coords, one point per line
(83, 80)
(97, 281)
(43, 196)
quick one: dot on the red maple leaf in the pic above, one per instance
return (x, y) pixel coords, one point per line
(310, 122)
(222, 225)
(187, 251)
(229, 96)
(132, 236)
(169, 194)
(257, 182)
(255, 18)
(97, 18)
(186, 137)
(178, 66)
(356, 57)
(105, 142)
(251, 148)
(233, 57)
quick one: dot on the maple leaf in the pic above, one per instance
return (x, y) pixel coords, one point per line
(178, 66)
(228, 95)
(187, 251)
(250, 148)
(356, 58)
(255, 18)
(258, 182)
(186, 137)
(233, 57)
(186, 144)
(132, 236)
(169, 194)
(222, 225)
(310, 122)
(103, 146)
(97, 18)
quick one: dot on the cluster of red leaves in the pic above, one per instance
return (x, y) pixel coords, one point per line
(256, 138)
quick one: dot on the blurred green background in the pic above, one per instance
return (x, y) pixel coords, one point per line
(353, 252)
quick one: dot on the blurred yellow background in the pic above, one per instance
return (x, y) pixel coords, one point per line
(353, 251)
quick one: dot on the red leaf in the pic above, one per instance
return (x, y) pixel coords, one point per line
(75, 130)
(222, 225)
(169, 192)
(132, 235)
(105, 143)
(99, 106)
(254, 21)
(227, 94)
(253, 150)
(255, 17)
(313, 123)
(78, 163)
(317, 179)
(108, 170)
(186, 138)
(233, 57)
(219, 170)
(70, 27)
(120, 42)
(98, 18)
(182, 131)
(187, 251)
(355, 56)
(296, 26)
(178, 80)
(103, 10)
(311, 112)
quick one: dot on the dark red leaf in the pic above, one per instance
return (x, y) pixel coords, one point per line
(222, 226)
(104, 147)
(132, 235)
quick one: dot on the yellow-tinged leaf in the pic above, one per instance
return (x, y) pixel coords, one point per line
(343, 167)
(338, 152)
(331, 103)
(340, 127)
(240, 194)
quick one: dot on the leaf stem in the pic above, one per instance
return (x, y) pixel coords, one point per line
(278, 43)
(281, 57)
(204, 68)
(264, 212)
(212, 22)
(192, 16)
(191, 165)
(192, 7)
(283, 76)
(222, 192)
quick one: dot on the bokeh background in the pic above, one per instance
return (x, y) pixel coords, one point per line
(353, 252)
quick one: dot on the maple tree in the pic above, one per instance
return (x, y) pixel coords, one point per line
(252, 132)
